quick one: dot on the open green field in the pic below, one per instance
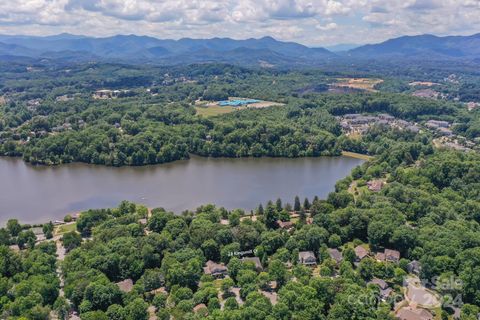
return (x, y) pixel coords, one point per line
(213, 110)
(356, 155)
(65, 228)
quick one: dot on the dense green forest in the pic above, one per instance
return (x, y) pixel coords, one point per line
(130, 262)
(50, 117)
(428, 211)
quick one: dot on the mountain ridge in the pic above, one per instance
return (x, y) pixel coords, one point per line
(132, 48)
(422, 46)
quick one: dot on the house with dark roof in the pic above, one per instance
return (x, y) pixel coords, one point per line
(335, 255)
(307, 258)
(385, 290)
(414, 267)
(216, 270)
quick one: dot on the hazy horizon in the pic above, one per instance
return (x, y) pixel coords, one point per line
(333, 47)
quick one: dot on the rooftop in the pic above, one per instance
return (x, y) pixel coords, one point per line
(255, 260)
(360, 252)
(125, 285)
(237, 102)
(335, 255)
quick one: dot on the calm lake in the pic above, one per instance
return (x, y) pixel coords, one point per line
(35, 194)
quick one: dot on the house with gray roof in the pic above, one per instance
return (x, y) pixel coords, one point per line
(335, 255)
(256, 261)
(307, 258)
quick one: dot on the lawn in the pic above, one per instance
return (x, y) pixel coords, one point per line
(213, 110)
(367, 84)
(356, 155)
(65, 228)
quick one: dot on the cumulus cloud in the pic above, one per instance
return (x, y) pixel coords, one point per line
(313, 22)
(328, 26)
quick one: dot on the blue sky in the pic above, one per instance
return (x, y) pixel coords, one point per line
(311, 22)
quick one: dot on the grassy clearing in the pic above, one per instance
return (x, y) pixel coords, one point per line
(65, 228)
(213, 111)
(367, 84)
(356, 155)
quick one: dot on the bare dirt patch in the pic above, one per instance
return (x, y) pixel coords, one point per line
(423, 84)
(367, 84)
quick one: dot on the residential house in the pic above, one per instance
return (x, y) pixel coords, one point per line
(38, 231)
(335, 255)
(286, 225)
(388, 255)
(307, 258)
(385, 290)
(360, 253)
(380, 256)
(413, 128)
(375, 185)
(125, 285)
(402, 123)
(200, 307)
(385, 116)
(272, 296)
(162, 290)
(256, 261)
(426, 93)
(110, 94)
(75, 216)
(392, 255)
(215, 270)
(414, 267)
(445, 131)
(272, 286)
(472, 105)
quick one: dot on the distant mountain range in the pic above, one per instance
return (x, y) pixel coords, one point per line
(264, 51)
(133, 48)
(342, 47)
(423, 46)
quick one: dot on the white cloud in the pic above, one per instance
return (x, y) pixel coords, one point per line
(327, 27)
(314, 22)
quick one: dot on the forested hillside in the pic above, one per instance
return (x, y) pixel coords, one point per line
(427, 210)
(405, 221)
(51, 115)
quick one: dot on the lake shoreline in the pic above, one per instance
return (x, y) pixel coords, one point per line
(35, 194)
(192, 155)
(357, 155)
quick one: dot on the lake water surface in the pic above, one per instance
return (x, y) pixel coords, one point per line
(35, 194)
